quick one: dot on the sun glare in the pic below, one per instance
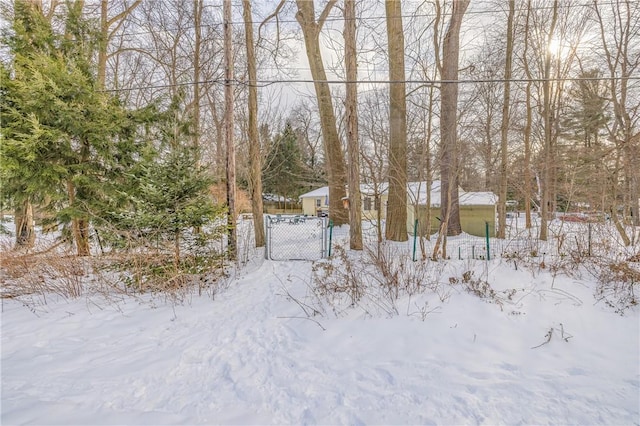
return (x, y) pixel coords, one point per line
(555, 47)
(558, 49)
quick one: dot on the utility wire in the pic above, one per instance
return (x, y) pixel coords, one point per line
(371, 18)
(266, 83)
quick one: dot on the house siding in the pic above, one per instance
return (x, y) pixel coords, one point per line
(477, 209)
(472, 218)
(372, 214)
(309, 205)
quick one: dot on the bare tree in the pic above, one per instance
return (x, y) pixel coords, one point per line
(621, 50)
(396, 226)
(304, 116)
(482, 105)
(527, 175)
(255, 172)
(557, 34)
(231, 159)
(198, 6)
(502, 201)
(108, 28)
(449, 161)
(351, 110)
(547, 180)
(333, 150)
(374, 128)
(423, 37)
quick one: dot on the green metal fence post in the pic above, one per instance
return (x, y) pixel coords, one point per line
(486, 231)
(330, 235)
(415, 238)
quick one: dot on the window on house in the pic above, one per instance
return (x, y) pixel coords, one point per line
(377, 203)
(366, 203)
(318, 202)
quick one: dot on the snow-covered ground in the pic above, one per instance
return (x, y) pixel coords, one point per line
(250, 355)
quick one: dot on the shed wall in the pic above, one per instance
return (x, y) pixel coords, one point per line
(472, 218)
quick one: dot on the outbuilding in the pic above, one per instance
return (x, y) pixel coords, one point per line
(477, 209)
(316, 202)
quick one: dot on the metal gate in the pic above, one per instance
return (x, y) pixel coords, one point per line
(291, 237)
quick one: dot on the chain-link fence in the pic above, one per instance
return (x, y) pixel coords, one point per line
(296, 237)
(565, 240)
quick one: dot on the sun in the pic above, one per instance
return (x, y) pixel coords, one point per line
(558, 48)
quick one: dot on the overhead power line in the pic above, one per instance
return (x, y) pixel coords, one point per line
(372, 18)
(265, 83)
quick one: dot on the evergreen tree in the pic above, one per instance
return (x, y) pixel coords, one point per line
(32, 36)
(171, 198)
(167, 191)
(587, 116)
(285, 172)
(64, 142)
(583, 179)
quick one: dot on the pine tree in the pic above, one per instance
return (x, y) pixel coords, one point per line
(285, 172)
(169, 197)
(64, 142)
(587, 116)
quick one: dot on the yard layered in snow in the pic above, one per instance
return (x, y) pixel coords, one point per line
(251, 356)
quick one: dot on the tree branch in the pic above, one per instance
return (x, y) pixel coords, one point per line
(124, 13)
(270, 17)
(325, 14)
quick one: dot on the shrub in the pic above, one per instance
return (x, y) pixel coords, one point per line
(376, 277)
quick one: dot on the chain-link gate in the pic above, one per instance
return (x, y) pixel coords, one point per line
(296, 237)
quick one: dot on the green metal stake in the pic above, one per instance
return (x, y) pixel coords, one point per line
(415, 238)
(330, 235)
(486, 231)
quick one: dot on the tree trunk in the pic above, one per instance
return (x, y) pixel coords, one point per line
(79, 226)
(548, 135)
(428, 167)
(217, 118)
(198, 7)
(528, 179)
(502, 204)
(429, 125)
(104, 41)
(231, 155)
(613, 207)
(489, 171)
(176, 251)
(255, 163)
(632, 154)
(25, 232)
(333, 149)
(449, 161)
(396, 227)
(351, 112)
